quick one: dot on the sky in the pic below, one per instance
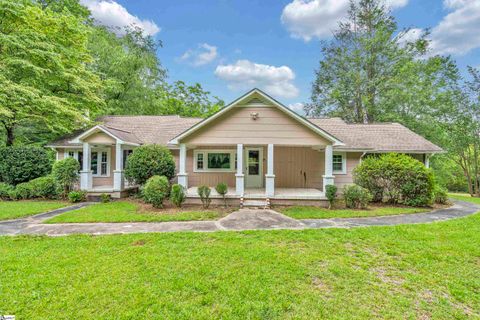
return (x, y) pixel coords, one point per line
(229, 47)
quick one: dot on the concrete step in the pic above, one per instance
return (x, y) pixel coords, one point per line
(256, 203)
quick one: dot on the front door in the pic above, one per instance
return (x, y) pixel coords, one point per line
(254, 167)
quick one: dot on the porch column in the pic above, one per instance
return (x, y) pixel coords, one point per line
(328, 177)
(239, 176)
(118, 179)
(427, 160)
(182, 173)
(86, 179)
(270, 176)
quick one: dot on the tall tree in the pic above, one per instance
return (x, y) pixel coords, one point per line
(43, 76)
(370, 72)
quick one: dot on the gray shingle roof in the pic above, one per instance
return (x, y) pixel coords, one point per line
(161, 129)
(376, 136)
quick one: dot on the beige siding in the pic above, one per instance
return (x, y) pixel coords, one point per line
(100, 138)
(353, 159)
(298, 167)
(272, 126)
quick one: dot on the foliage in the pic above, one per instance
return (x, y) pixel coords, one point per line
(44, 187)
(156, 190)
(23, 191)
(440, 195)
(5, 190)
(129, 211)
(44, 81)
(147, 161)
(356, 197)
(331, 194)
(396, 178)
(177, 195)
(448, 173)
(22, 164)
(222, 190)
(371, 72)
(204, 193)
(105, 198)
(77, 196)
(65, 173)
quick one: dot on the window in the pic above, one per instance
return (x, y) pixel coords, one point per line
(100, 163)
(214, 160)
(126, 153)
(104, 164)
(339, 163)
(94, 163)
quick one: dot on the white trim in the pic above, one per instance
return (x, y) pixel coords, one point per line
(280, 106)
(94, 130)
(205, 153)
(344, 162)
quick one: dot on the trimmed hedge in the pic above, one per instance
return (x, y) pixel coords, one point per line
(156, 190)
(65, 173)
(5, 190)
(22, 164)
(356, 197)
(44, 187)
(396, 178)
(148, 161)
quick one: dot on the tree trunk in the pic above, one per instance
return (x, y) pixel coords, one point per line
(10, 136)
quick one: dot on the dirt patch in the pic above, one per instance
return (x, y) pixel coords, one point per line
(320, 285)
(169, 208)
(139, 243)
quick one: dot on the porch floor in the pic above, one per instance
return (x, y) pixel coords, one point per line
(259, 193)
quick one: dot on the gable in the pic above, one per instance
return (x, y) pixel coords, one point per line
(99, 138)
(255, 124)
(256, 118)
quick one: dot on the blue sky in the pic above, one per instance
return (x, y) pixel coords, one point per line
(231, 46)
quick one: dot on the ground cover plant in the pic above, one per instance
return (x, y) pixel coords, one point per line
(132, 211)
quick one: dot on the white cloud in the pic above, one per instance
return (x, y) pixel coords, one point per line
(458, 32)
(113, 15)
(308, 19)
(244, 75)
(411, 35)
(203, 55)
(297, 107)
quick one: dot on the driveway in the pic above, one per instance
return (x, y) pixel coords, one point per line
(244, 219)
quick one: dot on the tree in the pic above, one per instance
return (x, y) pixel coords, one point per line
(369, 72)
(44, 81)
(147, 161)
(65, 173)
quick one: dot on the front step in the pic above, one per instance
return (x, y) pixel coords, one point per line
(255, 203)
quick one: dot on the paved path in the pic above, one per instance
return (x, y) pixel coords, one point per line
(244, 219)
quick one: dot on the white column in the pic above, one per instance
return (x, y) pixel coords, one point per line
(182, 172)
(328, 177)
(427, 160)
(86, 179)
(239, 176)
(118, 179)
(270, 176)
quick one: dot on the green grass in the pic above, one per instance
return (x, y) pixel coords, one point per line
(126, 211)
(428, 271)
(18, 209)
(464, 197)
(300, 212)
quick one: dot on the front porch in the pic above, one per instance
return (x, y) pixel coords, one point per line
(259, 193)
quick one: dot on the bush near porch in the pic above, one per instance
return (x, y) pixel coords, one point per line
(396, 179)
(147, 161)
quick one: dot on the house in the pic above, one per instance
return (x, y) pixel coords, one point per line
(257, 146)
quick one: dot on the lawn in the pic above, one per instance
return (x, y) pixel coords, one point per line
(129, 211)
(18, 209)
(301, 212)
(464, 197)
(402, 272)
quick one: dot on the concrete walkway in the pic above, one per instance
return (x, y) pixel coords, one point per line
(244, 219)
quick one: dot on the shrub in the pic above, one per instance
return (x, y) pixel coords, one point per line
(204, 193)
(148, 161)
(44, 187)
(440, 195)
(77, 196)
(222, 190)
(22, 164)
(105, 198)
(65, 173)
(156, 190)
(356, 197)
(5, 190)
(177, 195)
(396, 178)
(331, 194)
(23, 191)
